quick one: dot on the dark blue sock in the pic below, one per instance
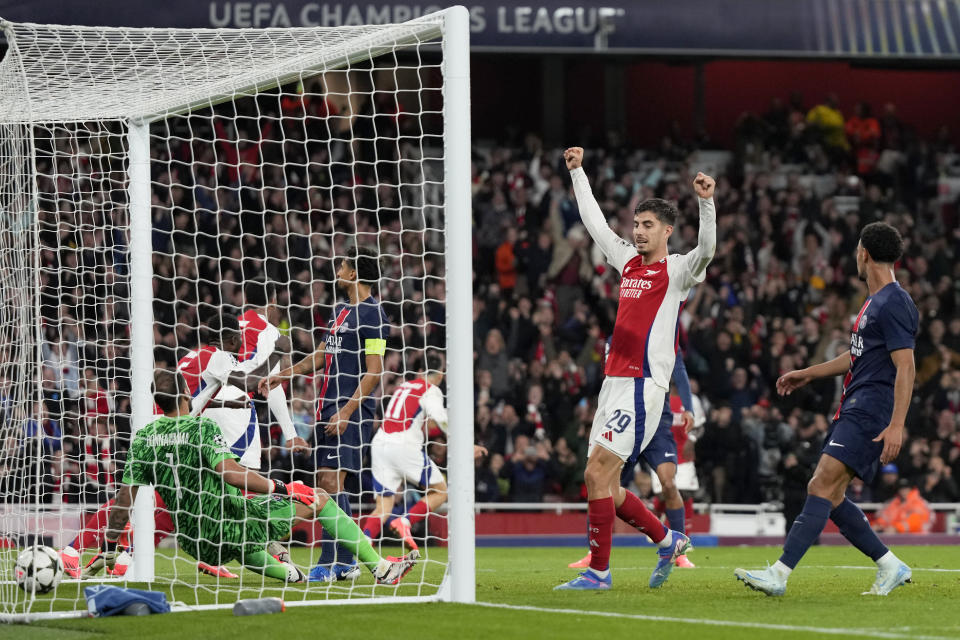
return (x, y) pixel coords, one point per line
(806, 529)
(675, 519)
(342, 555)
(855, 528)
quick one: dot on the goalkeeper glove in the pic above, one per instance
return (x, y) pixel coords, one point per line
(295, 491)
(115, 560)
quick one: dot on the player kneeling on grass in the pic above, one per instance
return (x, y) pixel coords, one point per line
(397, 452)
(189, 462)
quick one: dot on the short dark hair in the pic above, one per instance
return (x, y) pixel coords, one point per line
(433, 363)
(882, 241)
(167, 389)
(220, 324)
(366, 262)
(665, 211)
(259, 293)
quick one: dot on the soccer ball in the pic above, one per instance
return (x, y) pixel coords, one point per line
(38, 569)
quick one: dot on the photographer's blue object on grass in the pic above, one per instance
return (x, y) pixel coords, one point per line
(108, 600)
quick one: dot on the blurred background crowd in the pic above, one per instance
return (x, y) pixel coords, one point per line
(781, 293)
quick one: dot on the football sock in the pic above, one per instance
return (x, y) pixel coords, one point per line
(91, 536)
(636, 514)
(854, 526)
(344, 555)
(372, 526)
(675, 518)
(806, 529)
(888, 560)
(338, 525)
(265, 564)
(600, 516)
(418, 512)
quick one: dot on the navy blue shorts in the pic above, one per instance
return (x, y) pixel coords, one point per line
(343, 451)
(850, 440)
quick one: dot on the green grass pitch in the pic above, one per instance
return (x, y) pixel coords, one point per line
(823, 599)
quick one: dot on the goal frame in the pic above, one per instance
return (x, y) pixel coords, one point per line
(453, 27)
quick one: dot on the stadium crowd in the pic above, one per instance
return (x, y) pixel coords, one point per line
(270, 201)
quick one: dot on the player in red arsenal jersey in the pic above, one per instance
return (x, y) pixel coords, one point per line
(261, 339)
(397, 452)
(638, 368)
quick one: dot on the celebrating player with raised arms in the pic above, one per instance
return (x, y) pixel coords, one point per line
(261, 339)
(191, 465)
(351, 358)
(398, 454)
(638, 368)
(867, 428)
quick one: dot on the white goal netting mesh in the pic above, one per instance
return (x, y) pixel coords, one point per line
(273, 153)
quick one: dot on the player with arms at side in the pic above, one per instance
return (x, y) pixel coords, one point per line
(642, 356)
(397, 452)
(352, 360)
(867, 429)
(261, 339)
(189, 462)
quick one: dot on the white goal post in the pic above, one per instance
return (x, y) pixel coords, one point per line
(127, 156)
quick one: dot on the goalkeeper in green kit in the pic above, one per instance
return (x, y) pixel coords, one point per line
(191, 466)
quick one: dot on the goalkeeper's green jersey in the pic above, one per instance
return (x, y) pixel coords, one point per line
(178, 456)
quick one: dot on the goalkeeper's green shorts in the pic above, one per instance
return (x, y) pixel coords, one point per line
(264, 519)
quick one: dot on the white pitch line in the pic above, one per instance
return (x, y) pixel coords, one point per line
(870, 633)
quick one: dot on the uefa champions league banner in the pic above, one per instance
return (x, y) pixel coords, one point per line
(829, 28)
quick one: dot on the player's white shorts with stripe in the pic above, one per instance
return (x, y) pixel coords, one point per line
(628, 414)
(686, 478)
(240, 430)
(394, 459)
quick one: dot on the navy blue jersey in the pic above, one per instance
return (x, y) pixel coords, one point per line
(887, 322)
(352, 333)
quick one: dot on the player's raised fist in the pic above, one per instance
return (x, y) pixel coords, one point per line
(702, 184)
(574, 157)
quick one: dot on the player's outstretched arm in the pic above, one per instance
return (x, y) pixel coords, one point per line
(616, 249)
(306, 366)
(702, 254)
(793, 380)
(249, 480)
(109, 550)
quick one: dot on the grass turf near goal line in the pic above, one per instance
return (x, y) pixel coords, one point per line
(823, 600)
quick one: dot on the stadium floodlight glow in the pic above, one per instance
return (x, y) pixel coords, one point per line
(145, 174)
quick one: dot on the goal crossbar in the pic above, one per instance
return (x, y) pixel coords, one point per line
(61, 87)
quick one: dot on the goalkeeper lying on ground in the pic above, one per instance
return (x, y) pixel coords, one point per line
(191, 466)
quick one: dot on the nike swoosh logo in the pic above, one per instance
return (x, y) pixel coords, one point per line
(669, 455)
(836, 444)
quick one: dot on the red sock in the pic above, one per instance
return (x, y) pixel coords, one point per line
(636, 514)
(371, 526)
(91, 535)
(600, 516)
(418, 512)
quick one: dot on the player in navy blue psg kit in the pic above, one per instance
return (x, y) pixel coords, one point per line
(867, 429)
(351, 358)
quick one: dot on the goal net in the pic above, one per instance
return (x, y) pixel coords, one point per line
(150, 180)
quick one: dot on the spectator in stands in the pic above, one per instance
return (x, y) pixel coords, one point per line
(827, 122)
(528, 474)
(907, 512)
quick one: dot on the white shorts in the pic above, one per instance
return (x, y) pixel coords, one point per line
(394, 460)
(628, 414)
(686, 478)
(240, 430)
